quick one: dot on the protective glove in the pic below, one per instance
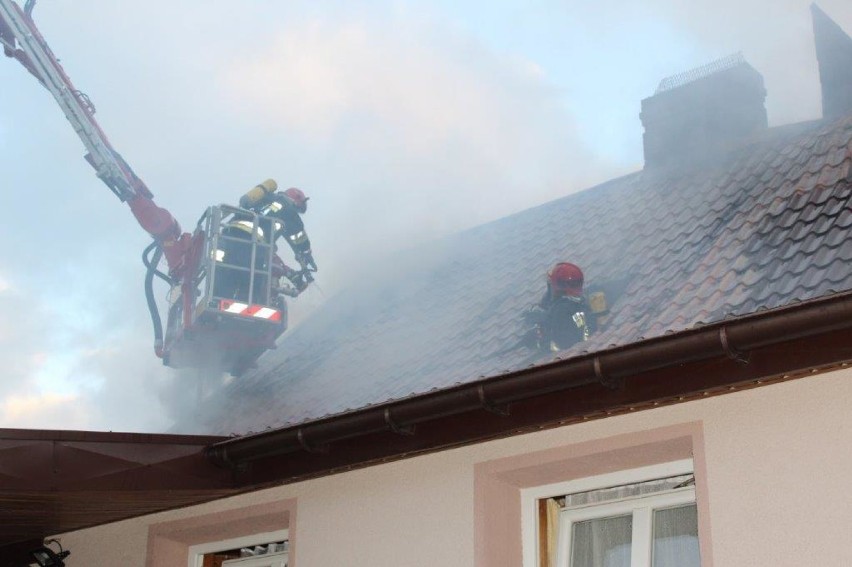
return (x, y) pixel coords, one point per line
(288, 290)
(535, 315)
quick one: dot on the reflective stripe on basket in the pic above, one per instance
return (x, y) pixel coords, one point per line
(246, 310)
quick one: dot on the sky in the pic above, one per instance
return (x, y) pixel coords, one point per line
(403, 121)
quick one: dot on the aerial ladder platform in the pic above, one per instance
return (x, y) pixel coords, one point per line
(225, 304)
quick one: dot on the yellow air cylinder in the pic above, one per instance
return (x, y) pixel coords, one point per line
(597, 301)
(256, 194)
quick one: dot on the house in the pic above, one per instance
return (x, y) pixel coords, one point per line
(708, 418)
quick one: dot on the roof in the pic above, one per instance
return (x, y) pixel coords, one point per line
(56, 481)
(764, 226)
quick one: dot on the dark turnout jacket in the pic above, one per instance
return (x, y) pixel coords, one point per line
(560, 322)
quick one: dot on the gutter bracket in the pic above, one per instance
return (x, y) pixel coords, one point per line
(320, 450)
(396, 428)
(729, 350)
(502, 410)
(611, 382)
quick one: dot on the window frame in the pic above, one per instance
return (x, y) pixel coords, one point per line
(197, 552)
(530, 532)
(279, 559)
(641, 508)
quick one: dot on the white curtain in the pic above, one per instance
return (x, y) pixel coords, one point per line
(676, 537)
(602, 543)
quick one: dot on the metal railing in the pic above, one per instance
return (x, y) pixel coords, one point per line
(237, 256)
(681, 79)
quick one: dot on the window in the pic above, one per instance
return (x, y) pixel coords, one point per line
(270, 549)
(178, 543)
(637, 518)
(271, 560)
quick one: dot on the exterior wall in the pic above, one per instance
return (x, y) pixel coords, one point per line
(773, 464)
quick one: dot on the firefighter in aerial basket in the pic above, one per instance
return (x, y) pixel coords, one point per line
(562, 317)
(284, 209)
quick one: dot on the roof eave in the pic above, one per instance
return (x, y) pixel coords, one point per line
(57, 480)
(745, 351)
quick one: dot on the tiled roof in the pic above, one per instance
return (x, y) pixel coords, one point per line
(765, 226)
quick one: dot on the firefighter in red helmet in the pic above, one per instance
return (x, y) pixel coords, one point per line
(285, 208)
(564, 280)
(562, 316)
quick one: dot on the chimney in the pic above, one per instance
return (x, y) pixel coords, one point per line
(695, 115)
(834, 54)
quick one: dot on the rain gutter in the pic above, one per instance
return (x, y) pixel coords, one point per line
(731, 339)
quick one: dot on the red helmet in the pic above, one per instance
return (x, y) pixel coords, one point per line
(565, 279)
(298, 197)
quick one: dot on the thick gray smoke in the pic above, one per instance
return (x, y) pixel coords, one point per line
(402, 122)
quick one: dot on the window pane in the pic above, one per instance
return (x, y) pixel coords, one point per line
(676, 537)
(602, 543)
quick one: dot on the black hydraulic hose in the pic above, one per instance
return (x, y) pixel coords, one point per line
(151, 265)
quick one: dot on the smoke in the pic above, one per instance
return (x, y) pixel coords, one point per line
(414, 130)
(403, 123)
(776, 38)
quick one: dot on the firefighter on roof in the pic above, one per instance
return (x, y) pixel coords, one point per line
(562, 317)
(285, 208)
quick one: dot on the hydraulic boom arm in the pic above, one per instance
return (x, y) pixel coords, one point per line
(22, 41)
(225, 308)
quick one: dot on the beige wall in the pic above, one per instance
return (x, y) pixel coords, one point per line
(777, 465)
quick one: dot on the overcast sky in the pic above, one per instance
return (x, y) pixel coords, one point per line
(403, 121)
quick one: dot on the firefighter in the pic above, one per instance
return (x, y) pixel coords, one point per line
(284, 209)
(562, 317)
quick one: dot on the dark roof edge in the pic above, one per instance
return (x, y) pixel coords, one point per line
(730, 339)
(70, 435)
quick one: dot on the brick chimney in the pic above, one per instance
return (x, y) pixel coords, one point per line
(695, 115)
(834, 54)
